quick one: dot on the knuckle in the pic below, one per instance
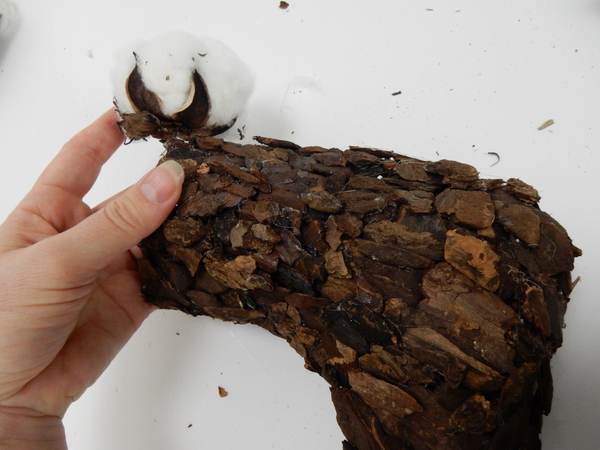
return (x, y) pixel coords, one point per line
(124, 216)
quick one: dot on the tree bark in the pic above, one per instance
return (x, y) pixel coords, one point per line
(429, 299)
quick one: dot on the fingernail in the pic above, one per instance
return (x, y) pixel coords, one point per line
(160, 184)
(116, 114)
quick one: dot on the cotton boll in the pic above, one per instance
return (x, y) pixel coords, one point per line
(227, 79)
(176, 70)
(7, 16)
(124, 65)
(166, 64)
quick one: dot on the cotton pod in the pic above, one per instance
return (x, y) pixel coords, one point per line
(179, 85)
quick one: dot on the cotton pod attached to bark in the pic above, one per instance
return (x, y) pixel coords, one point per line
(178, 85)
(429, 299)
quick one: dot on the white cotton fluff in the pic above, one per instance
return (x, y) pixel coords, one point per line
(167, 63)
(7, 15)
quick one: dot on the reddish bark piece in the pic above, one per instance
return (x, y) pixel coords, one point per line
(395, 366)
(322, 201)
(413, 171)
(223, 392)
(362, 202)
(360, 158)
(253, 236)
(535, 308)
(190, 257)
(389, 254)
(432, 348)
(522, 221)
(358, 423)
(418, 201)
(473, 318)
(335, 265)
(455, 174)
(388, 402)
(474, 258)
(522, 190)
(252, 177)
(473, 209)
(237, 273)
(474, 416)
(394, 233)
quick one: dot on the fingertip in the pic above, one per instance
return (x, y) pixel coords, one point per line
(112, 118)
(163, 182)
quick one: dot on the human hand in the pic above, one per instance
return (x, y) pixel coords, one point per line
(70, 295)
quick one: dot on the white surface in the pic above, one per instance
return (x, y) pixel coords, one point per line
(476, 76)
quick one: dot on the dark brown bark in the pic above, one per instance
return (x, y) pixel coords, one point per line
(430, 300)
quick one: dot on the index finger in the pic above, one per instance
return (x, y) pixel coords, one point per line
(78, 164)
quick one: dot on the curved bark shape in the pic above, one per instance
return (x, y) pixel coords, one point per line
(429, 299)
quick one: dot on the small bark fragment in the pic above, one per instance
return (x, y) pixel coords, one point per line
(546, 124)
(535, 309)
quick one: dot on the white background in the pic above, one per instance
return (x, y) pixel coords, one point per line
(476, 76)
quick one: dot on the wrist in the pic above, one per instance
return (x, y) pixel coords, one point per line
(24, 429)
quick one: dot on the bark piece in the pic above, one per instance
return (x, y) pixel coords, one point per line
(413, 171)
(418, 201)
(456, 175)
(522, 221)
(335, 265)
(474, 258)
(189, 257)
(237, 273)
(535, 309)
(389, 254)
(522, 190)
(253, 236)
(474, 416)
(472, 209)
(358, 423)
(340, 225)
(457, 367)
(473, 318)
(322, 201)
(362, 202)
(223, 392)
(394, 233)
(388, 402)
(395, 366)
(183, 231)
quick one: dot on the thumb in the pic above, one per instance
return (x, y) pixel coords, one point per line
(127, 219)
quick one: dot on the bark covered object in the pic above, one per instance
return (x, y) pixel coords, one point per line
(429, 299)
